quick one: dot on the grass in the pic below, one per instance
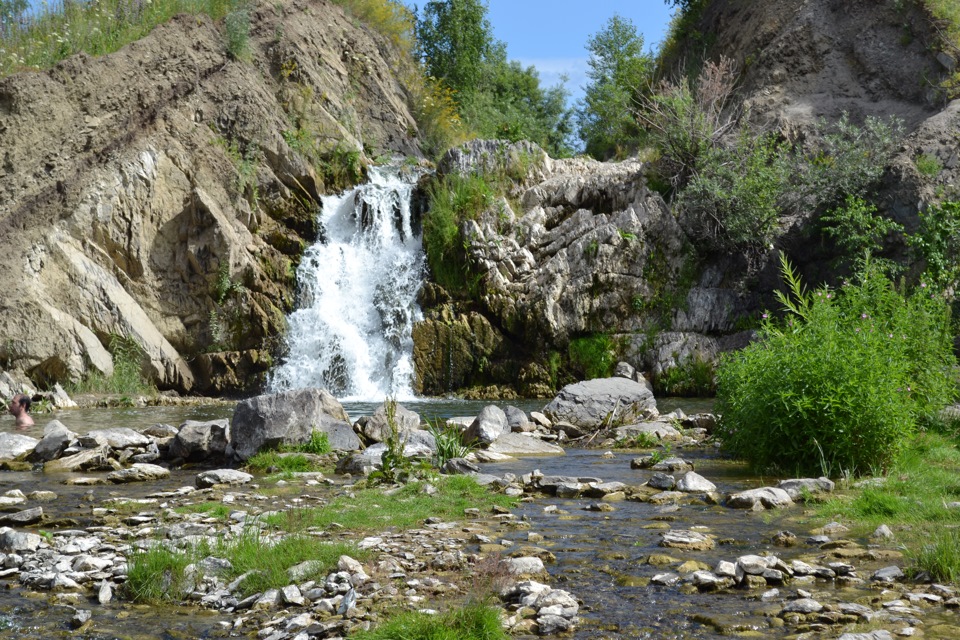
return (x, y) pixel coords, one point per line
(913, 502)
(97, 27)
(474, 621)
(269, 560)
(209, 509)
(275, 461)
(127, 376)
(369, 510)
(158, 574)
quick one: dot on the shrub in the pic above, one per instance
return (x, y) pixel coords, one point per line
(693, 378)
(390, 18)
(127, 377)
(858, 230)
(840, 384)
(937, 243)
(237, 24)
(593, 355)
(928, 165)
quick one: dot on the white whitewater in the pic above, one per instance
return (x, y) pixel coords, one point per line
(352, 331)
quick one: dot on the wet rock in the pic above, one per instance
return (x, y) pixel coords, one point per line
(662, 481)
(803, 606)
(762, 498)
(289, 418)
(488, 426)
(888, 574)
(455, 466)
(707, 581)
(517, 420)
(139, 472)
(666, 496)
(569, 489)
(785, 539)
(657, 430)
(222, 476)
(879, 634)
(665, 579)
(42, 496)
(160, 430)
(685, 539)
(883, 532)
(523, 566)
(201, 440)
(601, 402)
(12, 541)
(693, 482)
(119, 438)
(672, 465)
(550, 625)
(56, 438)
(87, 460)
(15, 445)
(23, 518)
(602, 489)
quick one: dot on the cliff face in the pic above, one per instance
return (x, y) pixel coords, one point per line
(166, 192)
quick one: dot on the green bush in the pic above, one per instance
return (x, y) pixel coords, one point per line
(858, 230)
(237, 24)
(841, 382)
(593, 356)
(453, 200)
(937, 243)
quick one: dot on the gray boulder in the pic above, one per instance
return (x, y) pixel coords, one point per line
(201, 440)
(693, 482)
(86, 460)
(602, 402)
(518, 444)
(222, 476)
(139, 472)
(15, 445)
(762, 498)
(798, 488)
(517, 420)
(120, 438)
(377, 427)
(489, 425)
(56, 438)
(289, 418)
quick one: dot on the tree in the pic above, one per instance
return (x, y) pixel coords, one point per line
(455, 38)
(618, 70)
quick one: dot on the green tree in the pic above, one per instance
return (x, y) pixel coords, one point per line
(618, 70)
(455, 38)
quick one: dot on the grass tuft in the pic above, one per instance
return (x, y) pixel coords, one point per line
(475, 621)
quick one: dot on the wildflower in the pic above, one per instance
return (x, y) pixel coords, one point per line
(764, 316)
(923, 285)
(863, 316)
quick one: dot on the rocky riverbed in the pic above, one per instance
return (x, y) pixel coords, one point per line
(603, 543)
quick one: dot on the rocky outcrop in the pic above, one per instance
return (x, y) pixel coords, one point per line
(152, 193)
(604, 402)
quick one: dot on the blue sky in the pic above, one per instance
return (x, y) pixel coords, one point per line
(552, 34)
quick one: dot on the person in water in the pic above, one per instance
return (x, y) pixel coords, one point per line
(19, 406)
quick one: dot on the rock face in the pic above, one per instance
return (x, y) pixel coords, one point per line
(156, 197)
(268, 421)
(602, 402)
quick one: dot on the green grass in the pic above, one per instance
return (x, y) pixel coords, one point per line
(368, 510)
(127, 376)
(277, 462)
(475, 621)
(912, 501)
(318, 444)
(928, 165)
(97, 27)
(209, 509)
(157, 575)
(269, 560)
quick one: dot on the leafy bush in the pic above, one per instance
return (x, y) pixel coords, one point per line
(237, 24)
(453, 200)
(693, 378)
(858, 230)
(928, 165)
(593, 355)
(840, 384)
(937, 243)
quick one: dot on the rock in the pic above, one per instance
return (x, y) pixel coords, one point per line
(22, 518)
(161, 430)
(672, 465)
(139, 472)
(455, 466)
(883, 532)
(665, 579)
(12, 541)
(222, 476)
(688, 540)
(289, 418)
(802, 605)
(56, 438)
(888, 574)
(692, 482)
(517, 420)
(550, 625)
(800, 487)
(541, 420)
(662, 481)
(879, 634)
(201, 440)
(529, 565)
(602, 402)
(657, 430)
(120, 438)
(518, 444)
(88, 460)
(488, 426)
(764, 497)
(15, 445)
(377, 427)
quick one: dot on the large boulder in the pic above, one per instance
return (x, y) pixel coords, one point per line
(288, 418)
(201, 440)
(603, 402)
(56, 438)
(15, 445)
(489, 425)
(518, 444)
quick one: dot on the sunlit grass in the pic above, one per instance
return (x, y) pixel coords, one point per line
(475, 621)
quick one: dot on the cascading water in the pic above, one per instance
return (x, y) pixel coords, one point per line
(352, 331)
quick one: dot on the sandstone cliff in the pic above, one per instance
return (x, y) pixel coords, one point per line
(164, 193)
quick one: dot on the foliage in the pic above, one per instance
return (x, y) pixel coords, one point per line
(396, 466)
(127, 377)
(97, 27)
(437, 114)
(318, 444)
(937, 243)
(839, 385)
(692, 378)
(734, 198)
(158, 574)
(455, 39)
(275, 461)
(618, 70)
(228, 321)
(473, 621)
(391, 18)
(858, 230)
(237, 24)
(450, 443)
(686, 119)
(939, 556)
(592, 355)
(928, 165)
(216, 510)
(641, 440)
(453, 200)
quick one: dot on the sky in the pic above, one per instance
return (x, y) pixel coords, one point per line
(552, 35)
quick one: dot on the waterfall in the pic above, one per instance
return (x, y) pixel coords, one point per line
(357, 290)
